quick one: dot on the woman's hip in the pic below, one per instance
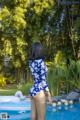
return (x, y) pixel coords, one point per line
(40, 97)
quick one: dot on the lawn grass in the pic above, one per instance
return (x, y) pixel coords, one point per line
(12, 89)
(8, 90)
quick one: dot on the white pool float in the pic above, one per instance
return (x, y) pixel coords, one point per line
(59, 103)
(70, 101)
(54, 104)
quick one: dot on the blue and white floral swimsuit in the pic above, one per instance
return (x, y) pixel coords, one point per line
(38, 70)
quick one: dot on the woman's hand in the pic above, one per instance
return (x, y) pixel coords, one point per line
(49, 99)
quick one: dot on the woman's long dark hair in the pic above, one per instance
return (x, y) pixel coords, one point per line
(36, 51)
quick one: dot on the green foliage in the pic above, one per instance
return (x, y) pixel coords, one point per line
(59, 58)
(23, 22)
(78, 67)
(12, 25)
(2, 81)
(76, 31)
(24, 88)
(63, 78)
(7, 50)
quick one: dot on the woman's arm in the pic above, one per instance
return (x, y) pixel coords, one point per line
(48, 95)
(44, 82)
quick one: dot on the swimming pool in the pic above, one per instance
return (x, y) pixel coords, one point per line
(70, 112)
(21, 111)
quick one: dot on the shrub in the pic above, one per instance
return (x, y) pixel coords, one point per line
(63, 78)
(2, 81)
(24, 88)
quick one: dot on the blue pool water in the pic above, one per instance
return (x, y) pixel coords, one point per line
(70, 112)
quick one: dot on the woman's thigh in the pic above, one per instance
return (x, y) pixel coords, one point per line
(33, 110)
(40, 105)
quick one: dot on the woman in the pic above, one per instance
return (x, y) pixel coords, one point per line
(40, 88)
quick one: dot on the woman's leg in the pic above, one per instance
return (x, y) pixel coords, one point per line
(33, 110)
(40, 105)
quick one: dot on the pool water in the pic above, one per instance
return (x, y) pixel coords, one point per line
(70, 112)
